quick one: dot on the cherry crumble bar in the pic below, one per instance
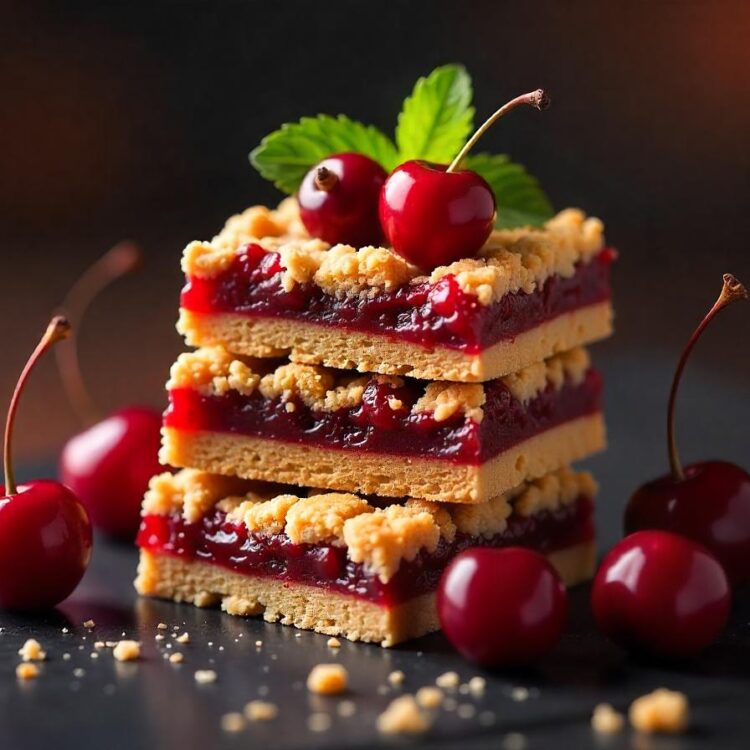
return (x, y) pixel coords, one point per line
(338, 563)
(380, 434)
(263, 288)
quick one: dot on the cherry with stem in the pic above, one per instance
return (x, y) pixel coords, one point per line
(45, 532)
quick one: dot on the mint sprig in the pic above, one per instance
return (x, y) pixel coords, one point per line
(435, 121)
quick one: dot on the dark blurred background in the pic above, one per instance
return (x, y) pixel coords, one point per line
(124, 119)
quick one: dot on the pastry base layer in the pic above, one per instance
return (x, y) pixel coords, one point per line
(379, 474)
(309, 343)
(311, 608)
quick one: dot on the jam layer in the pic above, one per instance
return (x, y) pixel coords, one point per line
(216, 539)
(425, 313)
(373, 426)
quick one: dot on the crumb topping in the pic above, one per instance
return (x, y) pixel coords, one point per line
(127, 651)
(605, 720)
(446, 399)
(512, 260)
(327, 679)
(32, 651)
(661, 711)
(567, 367)
(320, 518)
(403, 716)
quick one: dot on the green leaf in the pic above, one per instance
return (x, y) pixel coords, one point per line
(520, 200)
(437, 118)
(285, 156)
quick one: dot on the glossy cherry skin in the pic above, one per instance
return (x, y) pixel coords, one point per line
(348, 211)
(108, 467)
(501, 607)
(432, 217)
(711, 506)
(661, 593)
(45, 545)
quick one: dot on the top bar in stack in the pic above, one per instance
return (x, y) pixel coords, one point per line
(263, 288)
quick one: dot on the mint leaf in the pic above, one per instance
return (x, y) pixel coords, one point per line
(520, 200)
(436, 119)
(285, 156)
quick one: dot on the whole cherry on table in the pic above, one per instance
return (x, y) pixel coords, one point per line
(501, 607)
(45, 532)
(434, 214)
(109, 464)
(709, 501)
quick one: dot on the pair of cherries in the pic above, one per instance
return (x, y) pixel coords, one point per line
(431, 214)
(665, 589)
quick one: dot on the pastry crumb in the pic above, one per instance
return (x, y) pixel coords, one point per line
(79, 672)
(327, 679)
(477, 685)
(403, 716)
(260, 711)
(429, 697)
(176, 658)
(448, 680)
(334, 643)
(319, 722)
(519, 694)
(127, 651)
(396, 677)
(99, 645)
(662, 710)
(184, 638)
(32, 651)
(89, 624)
(233, 722)
(205, 676)
(27, 671)
(605, 720)
(161, 626)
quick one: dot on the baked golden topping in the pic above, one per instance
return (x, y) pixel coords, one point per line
(567, 367)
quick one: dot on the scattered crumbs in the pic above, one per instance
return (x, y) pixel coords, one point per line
(110, 644)
(486, 718)
(605, 720)
(333, 643)
(396, 677)
(221, 648)
(27, 671)
(514, 741)
(477, 685)
(519, 694)
(94, 655)
(176, 658)
(123, 634)
(99, 645)
(169, 645)
(466, 711)
(205, 676)
(159, 637)
(449, 680)
(127, 651)
(319, 722)
(79, 672)
(260, 711)
(327, 679)
(450, 704)
(161, 626)
(258, 643)
(403, 716)
(298, 635)
(184, 638)
(210, 643)
(81, 647)
(429, 696)
(346, 708)
(65, 630)
(32, 651)
(175, 627)
(233, 722)
(66, 656)
(661, 711)
(90, 624)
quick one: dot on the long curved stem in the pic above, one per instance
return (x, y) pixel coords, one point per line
(731, 291)
(538, 99)
(57, 330)
(120, 260)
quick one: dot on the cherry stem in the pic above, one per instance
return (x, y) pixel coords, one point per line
(731, 291)
(325, 180)
(57, 330)
(538, 99)
(120, 260)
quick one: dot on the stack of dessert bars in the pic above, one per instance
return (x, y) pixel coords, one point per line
(348, 424)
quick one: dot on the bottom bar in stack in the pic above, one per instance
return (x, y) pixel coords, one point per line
(342, 564)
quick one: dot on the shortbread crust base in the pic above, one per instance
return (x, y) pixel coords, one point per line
(311, 343)
(379, 474)
(311, 607)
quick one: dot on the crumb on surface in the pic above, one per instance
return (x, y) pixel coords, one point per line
(333, 643)
(662, 710)
(448, 680)
(89, 624)
(99, 645)
(261, 711)
(27, 671)
(176, 658)
(396, 677)
(161, 626)
(477, 685)
(319, 722)
(183, 638)
(429, 696)
(403, 716)
(519, 694)
(127, 651)
(327, 679)
(233, 722)
(32, 651)
(205, 676)
(605, 720)
(79, 672)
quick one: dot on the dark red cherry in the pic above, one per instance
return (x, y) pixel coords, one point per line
(338, 200)
(45, 533)
(109, 465)
(661, 593)
(708, 502)
(433, 217)
(502, 607)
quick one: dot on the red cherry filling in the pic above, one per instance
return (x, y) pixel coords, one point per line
(502, 607)
(338, 200)
(660, 593)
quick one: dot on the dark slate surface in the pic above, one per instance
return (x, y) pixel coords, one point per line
(153, 704)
